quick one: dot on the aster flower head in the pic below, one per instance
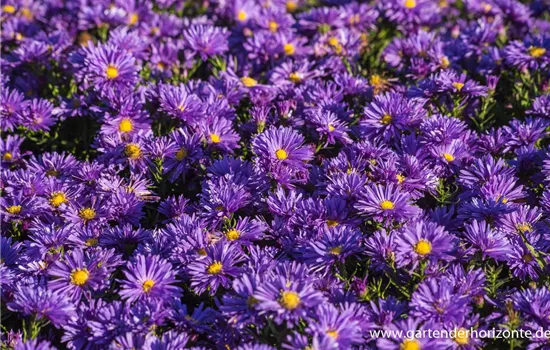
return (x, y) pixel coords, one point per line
(216, 268)
(533, 53)
(13, 103)
(149, 277)
(38, 115)
(77, 274)
(287, 297)
(436, 302)
(490, 242)
(42, 303)
(420, 240)
(206, 41)
(389, 114)
(280, 149)
(386, 202)
(110, 67)
(178, 102)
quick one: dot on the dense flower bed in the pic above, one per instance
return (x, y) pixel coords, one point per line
(273, 174)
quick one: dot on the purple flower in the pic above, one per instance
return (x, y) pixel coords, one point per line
(215, 269)
(287, 298)
(386, 202)
(491, 243)
(149, 277)
(77, 274)
(39, 302)
(110, 67)
(206, 41)
(423, 241)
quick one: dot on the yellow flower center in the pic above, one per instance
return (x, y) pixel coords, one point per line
(132, 150)
(333, 334)
(375, 80)
(125, 125)
(111, 72)
(291, 5)
(215, 138)
(524, 227)
(147, 285)
(242, 16)
(251, 301)
(423, 247)
(14, 209)
(8, 9)
(281, 154)
(79, 277)
(400, 178)
(289, 49)
(7, 156)
(181, 108)
(386, 119)
(458, 85)
(354, 19)
(486, 7)
(536, 52)
(289, 300)
(87, 214)
(181, 153)
(294, 77)
(232, 235)
(27, 13)
(462, 336)
(333, 41)
(445, 62)
(273, 26)
(215, 268)
(527, 258)
(410, 4)
(410, 344)
(336, 250)
(448, 157)
(92, 242)
(331, 128)
(249, 82)
(332, 223)
(134, 18)
(58, 198)
(201, 252)
(52, 172)
(387, 205)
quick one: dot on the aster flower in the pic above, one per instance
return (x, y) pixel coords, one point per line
(10, 150)
(491, 243)
(240, 305)
(38, 115)
(13, 103)
(281, 149)
(533, 53)
(338, 325)
(219, 133)
(382, 202)
(436, 302)
(287, 298)
(420, 240)
(206, 41)
(390, 114)
(110, 67)
(43, 304)
(149, 277)
(179, 102)
(245, 231)
(78, 273)
(215, 269)
(333, 246)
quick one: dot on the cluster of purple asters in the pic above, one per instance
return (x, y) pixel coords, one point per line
(273, 174)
